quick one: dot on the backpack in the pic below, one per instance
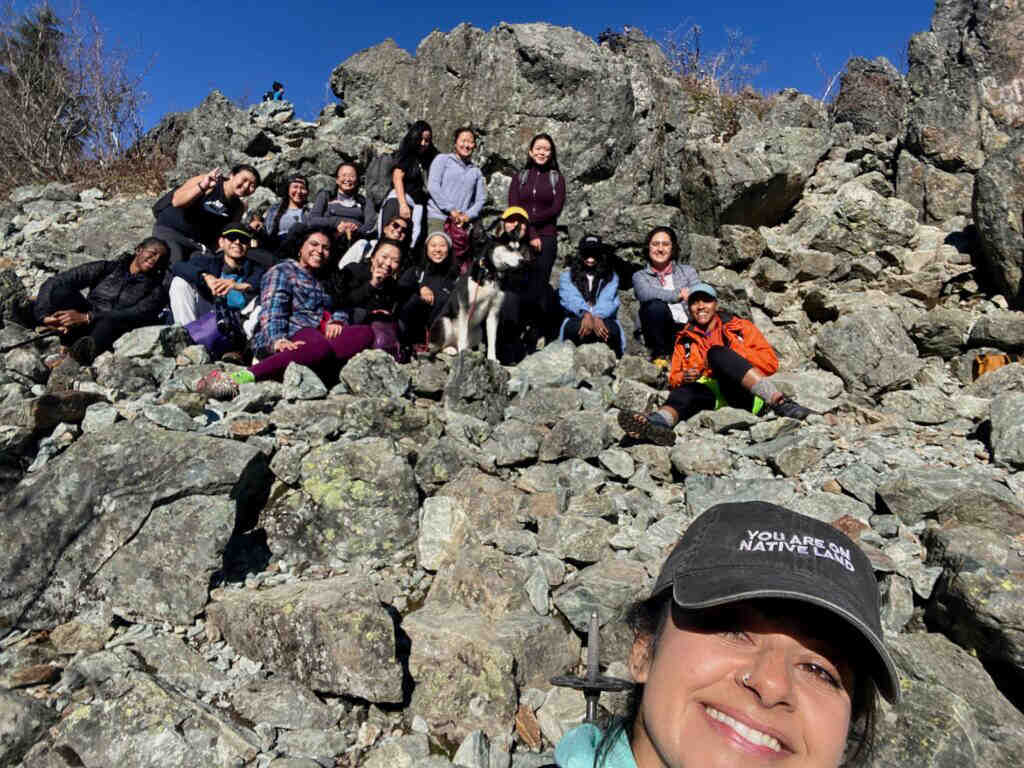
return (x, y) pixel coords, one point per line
(377, 179)
(552, 175)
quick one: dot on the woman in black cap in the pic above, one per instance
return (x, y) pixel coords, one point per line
(761, 643)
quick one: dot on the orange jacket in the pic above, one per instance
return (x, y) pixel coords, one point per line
(725, 330)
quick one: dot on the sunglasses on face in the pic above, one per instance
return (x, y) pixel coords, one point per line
(234, 237)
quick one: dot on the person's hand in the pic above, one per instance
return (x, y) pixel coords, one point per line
(690, 375)
(283, 345)
(347, 226)
(219, 286)
(684, 293)
(256, 223)
(404, 210)
(426, 294)
(333, 330)
(379, 273)
(600, 329)
(536, 244)
(210, 180)
(66, 319)
(586, 325)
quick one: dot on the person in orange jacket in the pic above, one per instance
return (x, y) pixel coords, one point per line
(719, 359)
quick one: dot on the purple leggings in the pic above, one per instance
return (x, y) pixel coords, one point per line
(317, 352)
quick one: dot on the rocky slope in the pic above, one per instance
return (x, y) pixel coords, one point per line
(389, 572)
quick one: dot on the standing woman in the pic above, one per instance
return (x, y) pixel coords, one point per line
(298, 322)
(662, 288)
(408, 197)
(191, 217)
(751, 650)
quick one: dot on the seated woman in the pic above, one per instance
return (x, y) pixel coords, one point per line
(291, 212)
(123, 294)
(297, 324)
(368, 290)
(348, 213)
(408, 196)
(456, 186)
(719, 359)
(227, 275)
(750, 654)
(589, 293)
(190, 217)
(396, 228)
(662, 288)
(424, 289)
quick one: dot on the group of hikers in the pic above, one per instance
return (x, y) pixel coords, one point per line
(746, 649)
(372, 265)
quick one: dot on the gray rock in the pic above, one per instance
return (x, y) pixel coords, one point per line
(482, 579)
(366, 493)
(633, 395)
(553, 366)
(942, 331)
(320, 745)
(922, 405)
(563, 709)
(440, 460)
(606, 588)
(282, 704)
(23, 721)
(872, 97)
(869, 350)
(442, 529)
(582, 435)
(92, 503)
(374, 372)
(617, 461)
(515, 442)
(164, 572)
(701, 457)
(477, 387)
(407, 751)
(331, 635)
(1008, 429)
(474, 751)
(593, 360)
(98, 416)
(544, 406)
(897, 603)
(703, 491)
(169, 417)
(300, 383)
(28, 363)
(967, 495)
(794, 453)
(1009, 378)
(581, 539)
(172, 660)
(1000, 329)
(998, 192)
(140, 342)
(466, 663)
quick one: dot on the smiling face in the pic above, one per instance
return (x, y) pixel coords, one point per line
(437, 249)
(314, 251)
(741, 688)
(347, 179)
(298, 193)
(426, 139)
(702, 309)
(659, 250)
(147, 258)
(234, 247)
(396, 229)
(385, 260)
(465, 143)
(241, 184)
(540, 151)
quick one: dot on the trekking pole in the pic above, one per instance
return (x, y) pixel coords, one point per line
(594, 682)
(31, 340)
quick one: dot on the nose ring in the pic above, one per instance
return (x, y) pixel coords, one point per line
(746, 678)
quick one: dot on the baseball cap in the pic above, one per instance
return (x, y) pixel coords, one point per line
(591, 243)
(745, 551)
(515, 210)
(702, 288)
(234, 228)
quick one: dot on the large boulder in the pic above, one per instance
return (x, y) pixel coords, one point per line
(872, 97)
(998, 208)
(966, 84)
(65, 525)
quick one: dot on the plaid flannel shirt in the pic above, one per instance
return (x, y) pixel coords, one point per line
(291, 299)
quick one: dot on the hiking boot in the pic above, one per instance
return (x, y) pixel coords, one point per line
(641, 427)
(83, 351)
(235, 357)
(791, 409)
(218, 385)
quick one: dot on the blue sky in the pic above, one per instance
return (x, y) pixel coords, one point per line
(240, 49)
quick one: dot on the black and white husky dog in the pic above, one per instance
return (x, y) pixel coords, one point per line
(475, 302)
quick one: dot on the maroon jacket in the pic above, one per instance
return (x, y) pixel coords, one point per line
(538, 198)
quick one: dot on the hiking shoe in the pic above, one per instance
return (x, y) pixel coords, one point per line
(83, 351)
(639, 426)
(791, 409)
(218, 385)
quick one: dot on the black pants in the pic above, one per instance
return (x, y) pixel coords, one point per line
(659, 327)
(180, 246)
(571, 332)
(104, 332)
(728, 369)
(415, 318)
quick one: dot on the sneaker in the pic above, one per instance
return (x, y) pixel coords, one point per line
(640, 427)
(218, 385)
(791, 409)
(83, 351)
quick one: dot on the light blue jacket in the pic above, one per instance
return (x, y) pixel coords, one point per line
(606, 307)
(455, 186)
(579, 746)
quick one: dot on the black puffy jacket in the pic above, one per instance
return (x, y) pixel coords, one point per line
(114, 293)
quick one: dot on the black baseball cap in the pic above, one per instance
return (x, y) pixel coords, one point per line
(751, 550)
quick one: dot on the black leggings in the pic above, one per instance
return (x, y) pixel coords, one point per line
(571, 332)
(728, 369)
(659, 327)
(104, 331)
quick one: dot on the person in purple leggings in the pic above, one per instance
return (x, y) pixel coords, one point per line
(297, 324)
